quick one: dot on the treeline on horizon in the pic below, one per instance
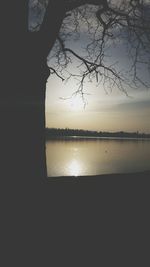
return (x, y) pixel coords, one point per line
(52, 133)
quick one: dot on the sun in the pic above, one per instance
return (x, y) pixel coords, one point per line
(76, 103)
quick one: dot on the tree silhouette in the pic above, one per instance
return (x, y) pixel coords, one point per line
(105, 24)
(49, 34)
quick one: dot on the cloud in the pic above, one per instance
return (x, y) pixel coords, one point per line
(137, 108)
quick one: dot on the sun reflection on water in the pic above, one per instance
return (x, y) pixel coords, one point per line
(74, 168)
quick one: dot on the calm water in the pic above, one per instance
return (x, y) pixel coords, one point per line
(99, 156)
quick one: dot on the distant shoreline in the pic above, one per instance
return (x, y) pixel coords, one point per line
(67, 134)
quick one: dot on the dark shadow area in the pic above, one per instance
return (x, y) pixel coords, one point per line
(98, 179)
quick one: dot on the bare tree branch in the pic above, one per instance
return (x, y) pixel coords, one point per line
(103, 24)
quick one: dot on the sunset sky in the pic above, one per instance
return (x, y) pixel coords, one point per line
(103, 112)
(106, 109)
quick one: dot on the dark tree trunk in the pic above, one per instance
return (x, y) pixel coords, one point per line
(22, 100)
(23, 109)
(22, 96)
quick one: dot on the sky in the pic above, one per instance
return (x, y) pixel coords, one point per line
(112, 111)
(105, 110)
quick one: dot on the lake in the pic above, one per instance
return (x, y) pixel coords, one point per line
(82, 156)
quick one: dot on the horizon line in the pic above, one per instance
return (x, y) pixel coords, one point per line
(101, 131)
